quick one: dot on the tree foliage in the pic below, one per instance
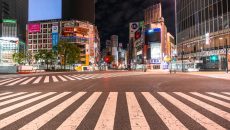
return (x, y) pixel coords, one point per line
(69, 51)
(19, 57)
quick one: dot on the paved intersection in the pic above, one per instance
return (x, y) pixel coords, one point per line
(114, 110)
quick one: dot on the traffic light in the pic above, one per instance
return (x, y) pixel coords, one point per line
(107, 59)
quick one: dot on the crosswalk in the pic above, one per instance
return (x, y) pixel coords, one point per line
(103, 110)
(61, 78)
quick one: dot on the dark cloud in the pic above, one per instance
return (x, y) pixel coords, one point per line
(114, 16)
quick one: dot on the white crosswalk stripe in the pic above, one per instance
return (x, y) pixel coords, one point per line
(21, 114)
(212, 99)
(18, 81)
(226, 93)
(75, 119)
(8, 81)
(218, 95)
(136, 115)
(27, 81)
(168, 118)
(6, 93)
(47, 79)
(63, 78)
(107, 117)
(37, 80)
(54, 79)
(201, 119)
(43, 119)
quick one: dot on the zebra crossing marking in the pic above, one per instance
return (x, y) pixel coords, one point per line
(47, 79)
(222, 103)
(10, 108)
(226, 93)
(13, 95)
(76, 77)
(68, 77)
(107, 117)
(43, 119)
(8, 81)
(27, 81)
(2, 94)
(37, 80)
(220, 96)
(18, 98)
(201, 119)
(54, 79)
(73, 121)
(11, 84)
(62, 78)
(206, 106)
(166, 116)
(23, 113)
(137, 118)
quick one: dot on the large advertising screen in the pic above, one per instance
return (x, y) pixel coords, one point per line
(44, 10)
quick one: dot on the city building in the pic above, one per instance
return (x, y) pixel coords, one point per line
(47, 34)
(9, 42)
(203, 34)
(114, 44)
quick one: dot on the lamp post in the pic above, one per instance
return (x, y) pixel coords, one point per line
(226, 53)
(182, 57)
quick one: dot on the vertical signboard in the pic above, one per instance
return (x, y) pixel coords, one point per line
(55, 36)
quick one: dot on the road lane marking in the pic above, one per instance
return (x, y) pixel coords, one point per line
(136, 116)
(222, 103)
(18, 98)
(62, 78)
(73, 121)
(21, 114)
(7, 109)
(206, 106)
(166, 116)
(18, 81)
(201, 119)
(27, 81)
(220, 96)
(76, 77)
(54, 79)
(46, 117)
(47, 79)
(8, 81)
(2, 94)
(68, 77)
(13, 95)
(107, 117)
(37, 80)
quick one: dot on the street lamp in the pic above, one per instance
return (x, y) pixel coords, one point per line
(226, 53)
(182, 57)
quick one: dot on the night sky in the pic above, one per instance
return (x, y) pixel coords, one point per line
(114, 16)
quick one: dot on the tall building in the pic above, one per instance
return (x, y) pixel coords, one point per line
(47, 34)
(203, 33)
(155, 49)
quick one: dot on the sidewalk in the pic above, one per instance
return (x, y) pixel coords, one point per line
(219, 75)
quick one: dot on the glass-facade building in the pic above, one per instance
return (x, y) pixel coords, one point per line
(203, 33)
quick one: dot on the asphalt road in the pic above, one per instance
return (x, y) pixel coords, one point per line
(114, 100)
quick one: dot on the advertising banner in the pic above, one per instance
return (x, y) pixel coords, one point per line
(34, 27)
(155, 53)
(55, 38)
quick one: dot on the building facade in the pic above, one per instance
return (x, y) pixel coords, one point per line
(203, 33)
(46, 35)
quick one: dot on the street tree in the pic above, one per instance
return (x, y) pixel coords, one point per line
(18, 57)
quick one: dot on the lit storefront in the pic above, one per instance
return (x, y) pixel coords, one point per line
(203, 34)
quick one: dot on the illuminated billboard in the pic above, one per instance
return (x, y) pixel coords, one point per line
(34, 27)
(44, 10)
